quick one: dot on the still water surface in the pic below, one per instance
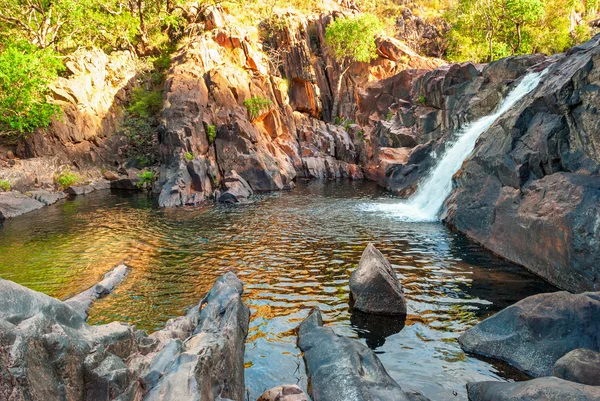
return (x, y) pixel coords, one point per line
(294, 251)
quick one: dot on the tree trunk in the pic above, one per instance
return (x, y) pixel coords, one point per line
(337, 96)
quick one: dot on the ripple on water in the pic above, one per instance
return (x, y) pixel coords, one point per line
(294, 251)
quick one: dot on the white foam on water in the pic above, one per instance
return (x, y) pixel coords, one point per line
(426, 203)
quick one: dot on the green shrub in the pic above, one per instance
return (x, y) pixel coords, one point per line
(66, 178)
(189, 156)
(4, 185)
(25, 73)
(390, 115)
(256, 104)
(211, 133)
(145, 103)
(146, 179)
(422, 100)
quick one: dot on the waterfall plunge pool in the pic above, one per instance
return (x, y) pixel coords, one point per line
(293, 250)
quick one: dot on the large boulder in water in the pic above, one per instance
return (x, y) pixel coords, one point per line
(544, 389)
(580, 366)
(374, 287)
(537, 331)
(342, 369)
(530, 191)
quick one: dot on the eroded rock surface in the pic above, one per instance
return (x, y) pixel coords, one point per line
(535, 333)
(286, 392)
(374, 287)
(580, 366)
(342, 369)
(544, 389)
(13, 204)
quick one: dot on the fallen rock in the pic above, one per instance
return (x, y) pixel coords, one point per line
(536, 332)
(342, 369)
(13, 204)
(48, 198)
(544, 389)
(579, 366)
(287, 392)
(374, 287)
(211, 364)
(237, 189)
(83, 301)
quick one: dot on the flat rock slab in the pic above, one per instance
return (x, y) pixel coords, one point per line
(374, 287)
(83, 301)
(544, 389)
(15, 204)
(536, 332)
(343, 369)
(580, 366)
(47, 197)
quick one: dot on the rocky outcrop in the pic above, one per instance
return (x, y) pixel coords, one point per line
(545, 389)
(236, 189)
(284, 393)
(13, 204)
(535, 333)
(530, 192)
(209, 129)
(342, 369)
(579, 366)
(48, 352)
(374, 287)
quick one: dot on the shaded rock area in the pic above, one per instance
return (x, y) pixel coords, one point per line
(530, 192)
(535, 333)
(48, 352)
(374, 287)
(580, 366)
(236, 189)
(284, 393)
(342, 369)
(544, 389)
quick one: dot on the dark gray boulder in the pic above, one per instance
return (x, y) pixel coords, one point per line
(544, 389)
(580, 366)
(237, 189)
(536, 332)
(342, 369)
(211, 364)
(13, 204)
(374, 287)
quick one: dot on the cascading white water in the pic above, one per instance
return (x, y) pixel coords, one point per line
(425, 204)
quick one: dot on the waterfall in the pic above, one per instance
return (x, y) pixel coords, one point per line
(425, 204)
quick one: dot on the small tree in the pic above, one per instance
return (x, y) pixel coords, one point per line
(351, 39)
(520, 13)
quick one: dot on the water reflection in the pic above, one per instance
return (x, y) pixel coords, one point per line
(293, 251)
(375, 328)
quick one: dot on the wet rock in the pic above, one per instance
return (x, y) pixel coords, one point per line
(580, 366)
(83, 301)
(236, 189)
(48, 198)
(342, 369)
(13, 204)
(536, 332)
(287, 392)
(212, 362)
(374, 287)
(78, 190)
(544, 389)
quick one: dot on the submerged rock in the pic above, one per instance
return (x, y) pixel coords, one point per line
(83, 301)
(580, 366)
(342, 369)
(374, 287)
(13, 204)
(544, 389)
(287, 392)
(536, 332)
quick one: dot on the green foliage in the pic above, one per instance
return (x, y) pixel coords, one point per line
(145, 103)
(352, 38)
(422, 100)
(188, 156)
(67, 178)
(256, 104)
(390, 115)
(146, 179)
(211, 133)
(25, 73)
(4, 185)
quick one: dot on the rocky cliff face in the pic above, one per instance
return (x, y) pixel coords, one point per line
(208, 132)
(530, 191)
